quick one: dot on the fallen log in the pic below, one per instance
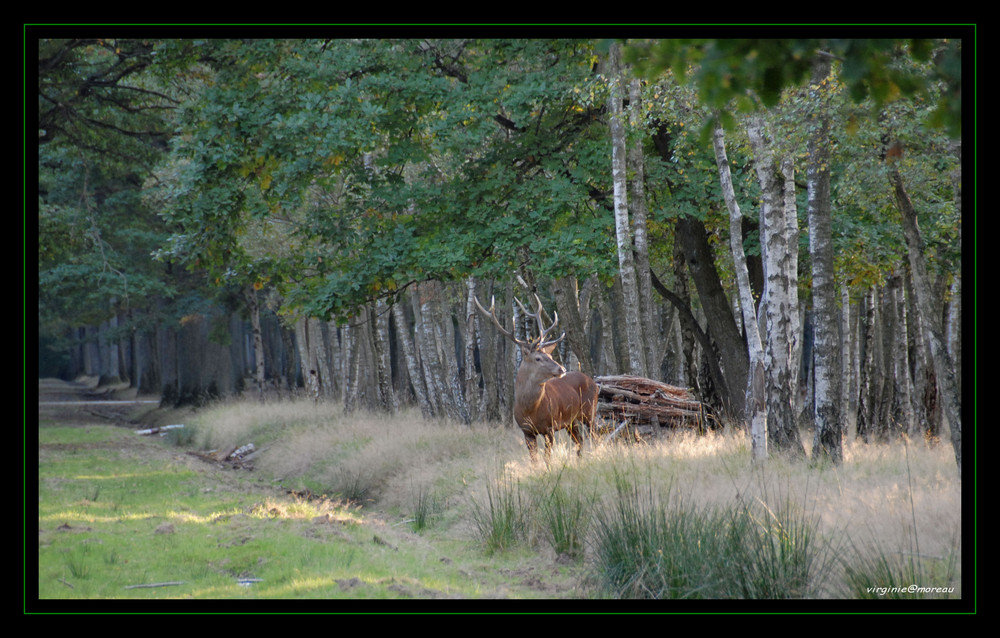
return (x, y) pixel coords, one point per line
(647, 402)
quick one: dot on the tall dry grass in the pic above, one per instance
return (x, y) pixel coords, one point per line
(395, 460)
(892, 501)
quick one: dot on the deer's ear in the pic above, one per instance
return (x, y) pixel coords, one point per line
(549, 349)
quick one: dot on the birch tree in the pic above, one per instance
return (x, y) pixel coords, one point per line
(473, 397)
(756, 404)
(779, 304)
(623, 234)
(637, 204)
(826, 348)
(403, 333)
(944, 368)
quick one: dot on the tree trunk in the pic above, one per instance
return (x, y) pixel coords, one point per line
(608, 362)
(426, 345)
(352, 365)
(779, 303)
(637, 204)
(473, 397)
(901, 364)
(378, 324)
(689, 325)
(412, 363)
(722, 327)
(568, 305)
(848, 362)
(310, 369)
(757, 408)
(827, 370)
(934, 335)
(319, 356)
(868, 375)
(626, 262)
(253, 307)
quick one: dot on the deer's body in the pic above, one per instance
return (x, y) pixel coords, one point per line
(546, 397)
(569, 402)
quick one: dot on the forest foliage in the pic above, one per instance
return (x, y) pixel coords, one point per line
(333, 180)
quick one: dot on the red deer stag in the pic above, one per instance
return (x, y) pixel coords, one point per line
(546, 397)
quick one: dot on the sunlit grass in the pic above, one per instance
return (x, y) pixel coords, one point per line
(332, 505)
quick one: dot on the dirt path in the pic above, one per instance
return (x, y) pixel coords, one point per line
(78, 403)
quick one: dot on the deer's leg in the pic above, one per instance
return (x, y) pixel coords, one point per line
(549, 444)
(590, 417)
(532, 442)
(574, 432)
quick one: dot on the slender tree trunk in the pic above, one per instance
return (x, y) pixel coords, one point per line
(848, 363)
(626, 262)
(687, 321)
(427, 345)
(473, 397)
(253, 307)
(690, 325)
(936, 345)
(313, 356)
(827, 370)
(609, 358)
(335, 350)
(412, 363)
(319, 355)
(637, 204)
(310, 370)
(378, 322)
(491, 360)
(448, 352)
(352, 366)
(756, 405)
(867, 377)
(903, 377)
(568, 305)
(779, 303)
(729, 343)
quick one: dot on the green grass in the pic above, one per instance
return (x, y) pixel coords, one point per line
(376, 507)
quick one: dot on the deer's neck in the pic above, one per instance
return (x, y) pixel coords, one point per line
(529, 390)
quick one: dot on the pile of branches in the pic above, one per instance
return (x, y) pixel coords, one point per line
(646, 402)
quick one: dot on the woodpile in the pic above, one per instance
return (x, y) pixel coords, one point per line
(646, 403)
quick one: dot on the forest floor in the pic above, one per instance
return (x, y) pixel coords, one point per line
(119, 512)
(80, 404)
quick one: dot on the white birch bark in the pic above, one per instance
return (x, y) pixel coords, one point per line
(779, 304)
(637, 202)
(352, 366)
(309, 374)
(427, 346)
(378, 316)
(827, 371)
(319, 357)
(900, 351)
(412, 363)
(336, 359)
(937, 347)
(626, 262)
(756, 405)
(473, 398)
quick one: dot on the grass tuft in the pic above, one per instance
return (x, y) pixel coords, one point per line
(501, 517)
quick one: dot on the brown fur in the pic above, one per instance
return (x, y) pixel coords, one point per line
(548, 399)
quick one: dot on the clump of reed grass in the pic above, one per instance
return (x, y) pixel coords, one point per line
(652, 546)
